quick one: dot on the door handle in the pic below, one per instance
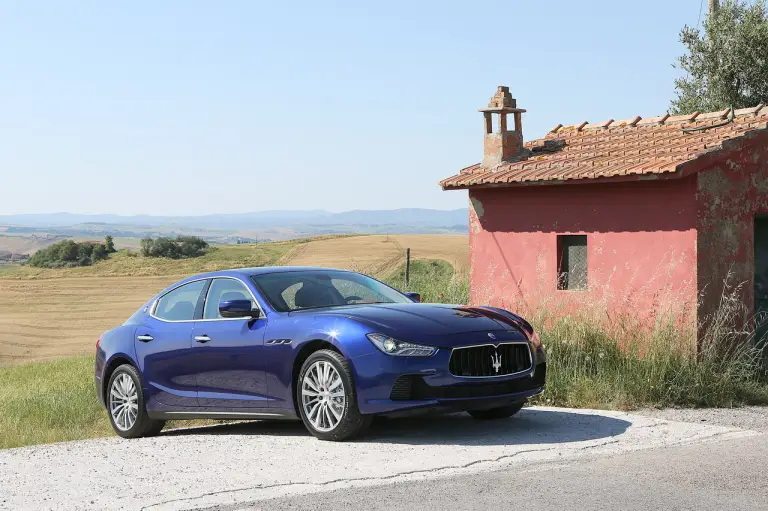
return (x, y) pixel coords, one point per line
(202, 338)
(144, 338)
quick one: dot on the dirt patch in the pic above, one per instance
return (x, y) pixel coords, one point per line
(44, 319)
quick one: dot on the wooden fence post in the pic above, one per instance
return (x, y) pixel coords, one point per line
(407, 266)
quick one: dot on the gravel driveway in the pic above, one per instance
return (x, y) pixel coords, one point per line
(224, 465)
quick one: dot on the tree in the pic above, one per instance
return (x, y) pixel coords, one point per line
(180, 248)
(109, 244)
(68, 253)
(99, 252)
(726, 63)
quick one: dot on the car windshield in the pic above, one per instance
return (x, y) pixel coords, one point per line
(312, 289)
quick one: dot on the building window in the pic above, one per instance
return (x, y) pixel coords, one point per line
(571, 262)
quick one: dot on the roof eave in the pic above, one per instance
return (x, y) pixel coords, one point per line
(660, 176)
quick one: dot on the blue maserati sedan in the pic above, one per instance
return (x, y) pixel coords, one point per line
(333, 348)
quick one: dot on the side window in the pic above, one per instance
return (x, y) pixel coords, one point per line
(352, 292)
(572, 262)
(223, 290)
(179, 304)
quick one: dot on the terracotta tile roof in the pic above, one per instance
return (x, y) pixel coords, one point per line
(611, 148)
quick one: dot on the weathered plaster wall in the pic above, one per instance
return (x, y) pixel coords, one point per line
(641, 241)
(729, 194)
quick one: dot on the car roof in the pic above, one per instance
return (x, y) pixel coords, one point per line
(261, 270)
(244, 273)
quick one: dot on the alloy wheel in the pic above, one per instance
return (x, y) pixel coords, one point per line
(322, 396)
(124, 402)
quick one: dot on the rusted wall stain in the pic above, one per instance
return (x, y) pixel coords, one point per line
(729, 195)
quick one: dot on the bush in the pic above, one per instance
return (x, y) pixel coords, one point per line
(67, 254)
(183, 247)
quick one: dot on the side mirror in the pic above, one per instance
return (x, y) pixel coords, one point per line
(238, 309)
(416, 297)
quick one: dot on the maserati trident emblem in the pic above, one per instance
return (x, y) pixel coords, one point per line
(491, 335)
(496, 361)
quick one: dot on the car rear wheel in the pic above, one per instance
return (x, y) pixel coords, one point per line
(501, 412)
(327, 399)
(125, 404)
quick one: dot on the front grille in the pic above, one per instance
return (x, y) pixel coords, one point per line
(413, 387)
(488, 360)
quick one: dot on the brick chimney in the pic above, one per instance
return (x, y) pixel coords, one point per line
(502, 145)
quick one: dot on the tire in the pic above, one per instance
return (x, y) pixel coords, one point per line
(501, 412)
(142, 424)
(323, 414)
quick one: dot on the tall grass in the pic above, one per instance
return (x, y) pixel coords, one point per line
(435, 280)
(620, 362)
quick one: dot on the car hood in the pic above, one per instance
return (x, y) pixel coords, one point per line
(439, 324)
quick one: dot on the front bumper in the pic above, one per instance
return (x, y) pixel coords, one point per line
(387, 384)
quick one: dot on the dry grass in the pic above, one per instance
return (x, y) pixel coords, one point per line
(51, 313)
(44, 319)
(380, 254)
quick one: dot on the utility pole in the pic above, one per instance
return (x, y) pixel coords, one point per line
(713, 6)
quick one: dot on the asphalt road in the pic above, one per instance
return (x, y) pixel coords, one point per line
(723, 475)
(552, 457)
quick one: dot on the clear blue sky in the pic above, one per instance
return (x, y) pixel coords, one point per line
(191, 107)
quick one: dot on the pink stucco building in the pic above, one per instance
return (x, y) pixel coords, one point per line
(639, 217)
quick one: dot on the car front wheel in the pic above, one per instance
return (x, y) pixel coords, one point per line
(327, 398)
(125, 404)
(501, 412)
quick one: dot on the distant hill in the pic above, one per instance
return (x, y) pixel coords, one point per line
(27, 233)
(405, 217)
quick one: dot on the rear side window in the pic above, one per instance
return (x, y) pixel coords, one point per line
(179, 304)
(224, 290)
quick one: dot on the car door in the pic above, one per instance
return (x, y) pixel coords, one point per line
(230, 351)
(164, 345)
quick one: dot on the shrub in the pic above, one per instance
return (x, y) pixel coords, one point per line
(183, 247)
(68, 253)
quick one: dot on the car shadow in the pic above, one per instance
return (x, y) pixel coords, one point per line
(529, 426)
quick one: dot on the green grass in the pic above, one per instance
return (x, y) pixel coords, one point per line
(45, 402)
(55, 401)
(49, 402)
(436, 281)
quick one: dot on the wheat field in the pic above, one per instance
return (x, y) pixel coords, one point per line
(56, 313)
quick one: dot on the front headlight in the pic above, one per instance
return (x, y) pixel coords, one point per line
(397, 348)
